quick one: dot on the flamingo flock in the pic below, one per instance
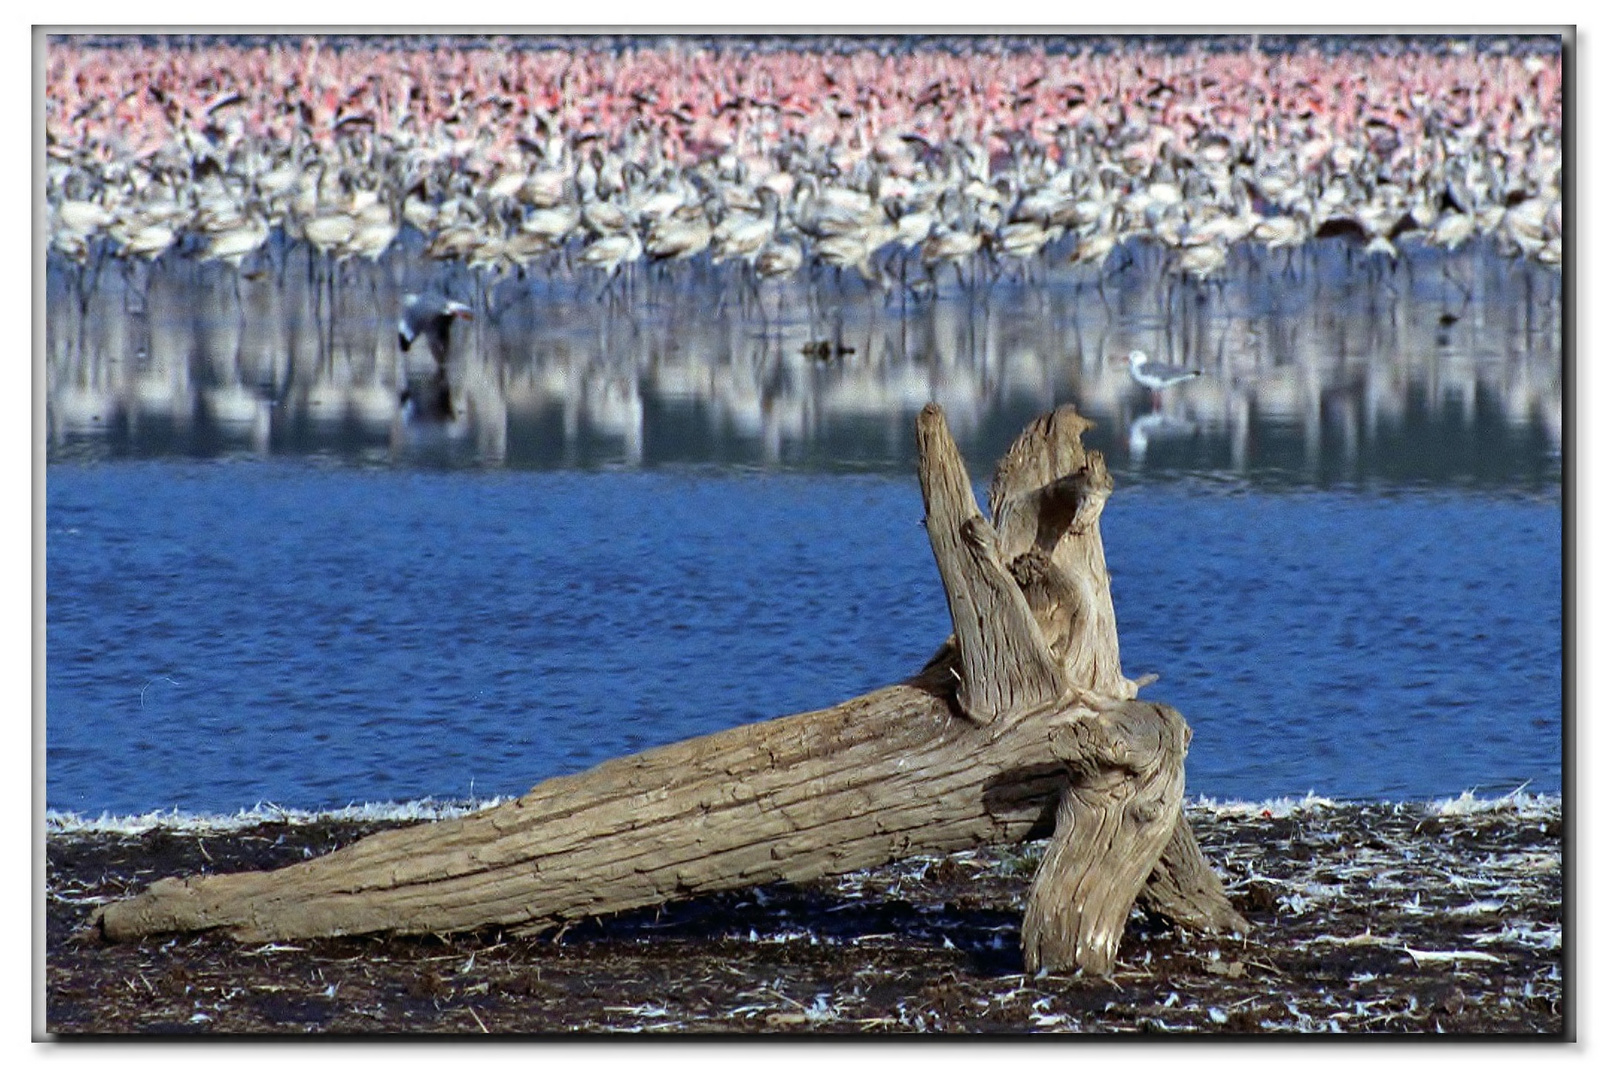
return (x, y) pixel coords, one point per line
(895, 163)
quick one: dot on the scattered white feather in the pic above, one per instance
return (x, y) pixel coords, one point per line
(1547, 939)
(1423, 956)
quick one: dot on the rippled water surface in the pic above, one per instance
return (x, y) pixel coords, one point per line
(1340, 548)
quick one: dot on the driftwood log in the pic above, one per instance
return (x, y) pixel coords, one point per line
(1021, 725)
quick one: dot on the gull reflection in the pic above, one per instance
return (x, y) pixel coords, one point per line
(1154, 426)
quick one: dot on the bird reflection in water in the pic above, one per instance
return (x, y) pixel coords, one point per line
(1154, 426)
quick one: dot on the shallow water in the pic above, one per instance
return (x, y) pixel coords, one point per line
(1319, 368)
(1341, 547)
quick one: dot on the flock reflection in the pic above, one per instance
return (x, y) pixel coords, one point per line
(1438, 366)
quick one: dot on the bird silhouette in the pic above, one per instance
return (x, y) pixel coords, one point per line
(429, 396)
(431, 314)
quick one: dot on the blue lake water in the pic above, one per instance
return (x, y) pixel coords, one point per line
(220, 633)
(1341, 548)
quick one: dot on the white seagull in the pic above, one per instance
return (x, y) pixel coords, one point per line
(1157, 377)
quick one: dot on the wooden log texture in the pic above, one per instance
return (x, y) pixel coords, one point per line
(1114, 819)
(1046, 499)
(893, 773)
(1184, 889)
(1005, 668)
(1021, 723)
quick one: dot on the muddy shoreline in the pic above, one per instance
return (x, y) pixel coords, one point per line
(1367, 918)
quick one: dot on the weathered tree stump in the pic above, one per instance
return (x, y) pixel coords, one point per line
(1021, 723)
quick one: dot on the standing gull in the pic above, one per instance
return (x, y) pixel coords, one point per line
(1156, 376)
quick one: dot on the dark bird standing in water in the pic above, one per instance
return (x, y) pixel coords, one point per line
(429, 397)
